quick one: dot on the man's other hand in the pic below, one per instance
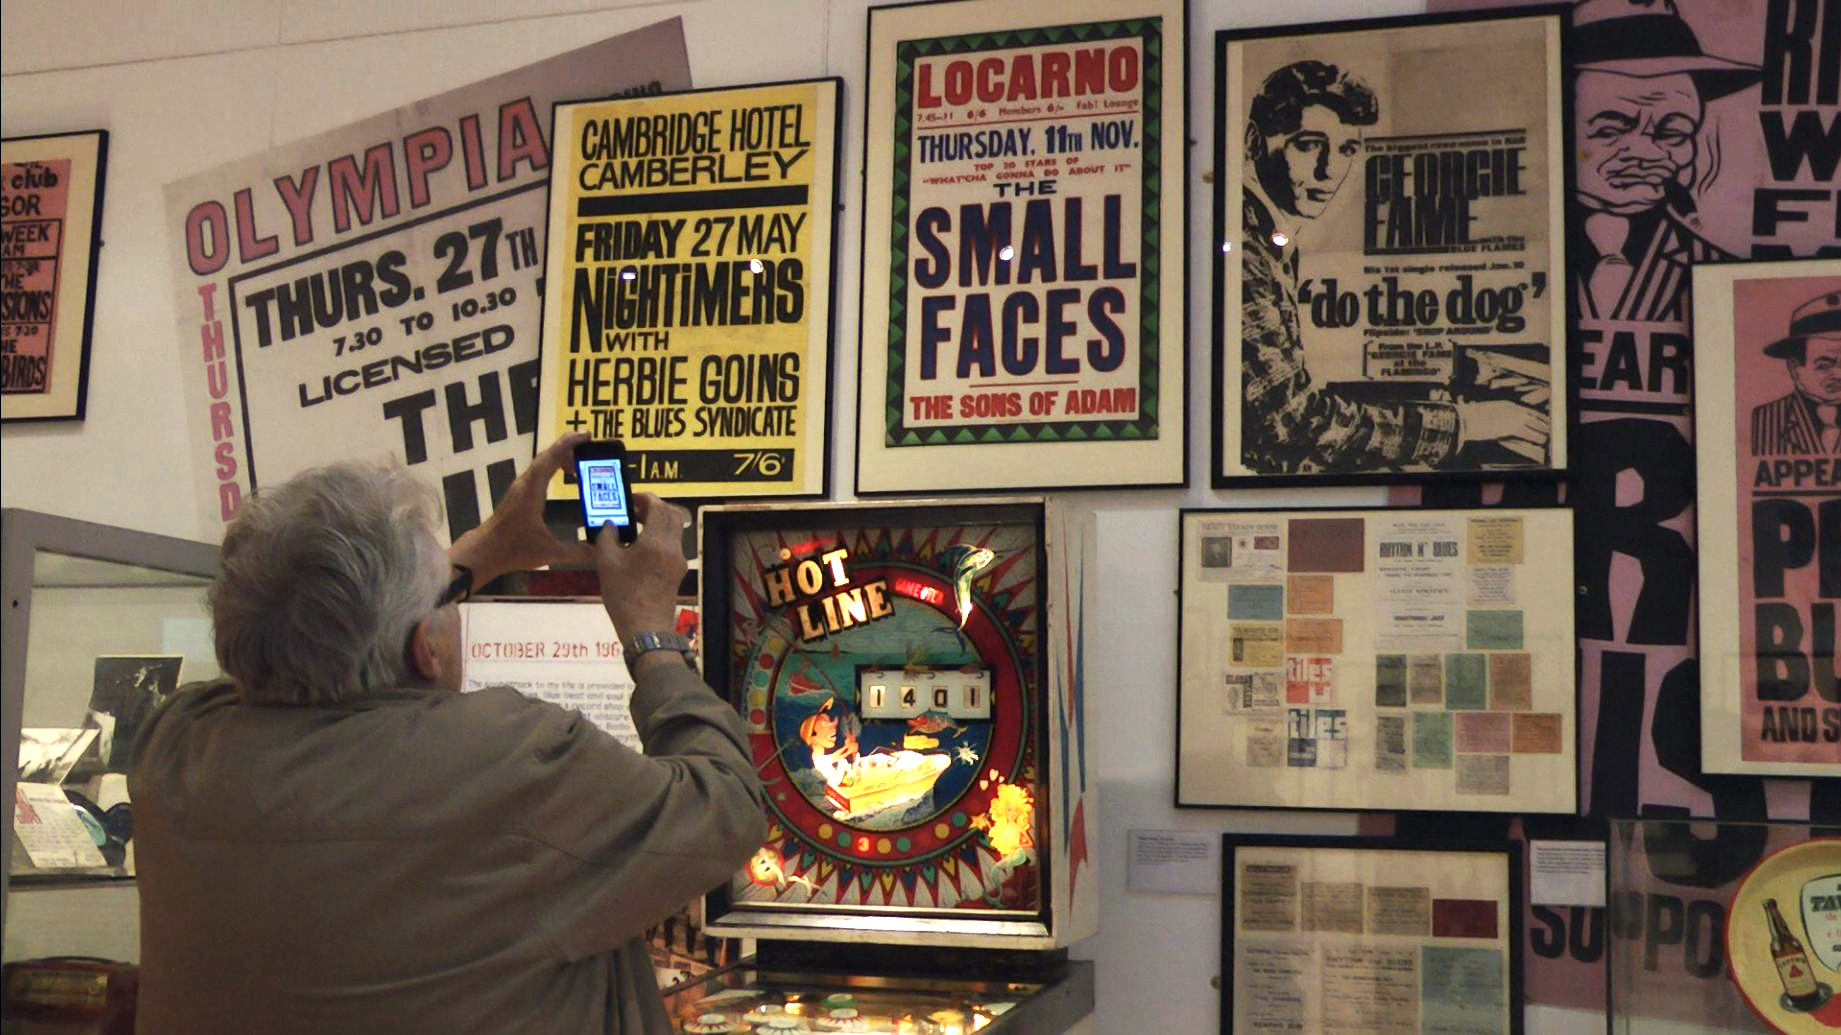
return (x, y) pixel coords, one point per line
(639, 583)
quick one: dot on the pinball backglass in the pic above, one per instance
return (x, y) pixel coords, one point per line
(911, 684)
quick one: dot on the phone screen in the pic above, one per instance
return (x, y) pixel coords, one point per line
(604, 497)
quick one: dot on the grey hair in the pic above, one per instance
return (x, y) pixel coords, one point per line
(322, 580)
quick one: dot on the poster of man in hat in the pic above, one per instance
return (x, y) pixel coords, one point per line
(1641, 85)
(1769, 467)
(1807, 421)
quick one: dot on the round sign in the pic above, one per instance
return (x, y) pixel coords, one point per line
(1783, 938)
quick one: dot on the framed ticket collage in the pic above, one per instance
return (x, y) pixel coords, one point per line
(1337, 934)
(1384, 658)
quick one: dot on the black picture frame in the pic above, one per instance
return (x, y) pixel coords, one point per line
(834, 205)
(944, 478)
(65, 395)
(1562, 388)
(1186, 797)
(1509, 934)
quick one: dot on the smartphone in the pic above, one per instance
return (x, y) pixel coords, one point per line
(601, 475)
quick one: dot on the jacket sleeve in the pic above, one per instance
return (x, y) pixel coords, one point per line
(653, 831)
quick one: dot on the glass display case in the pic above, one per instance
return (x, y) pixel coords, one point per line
(1690, 927)
(100, 624)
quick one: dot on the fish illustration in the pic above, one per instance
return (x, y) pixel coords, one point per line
(933, 722)
(968, 561)
(799, 687)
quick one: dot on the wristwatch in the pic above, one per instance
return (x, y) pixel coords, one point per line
(646, 642)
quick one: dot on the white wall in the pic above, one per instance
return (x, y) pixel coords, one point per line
(185, 85)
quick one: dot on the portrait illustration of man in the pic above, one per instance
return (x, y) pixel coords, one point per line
(1641, 86)
(1303, 137)
(1807, 421)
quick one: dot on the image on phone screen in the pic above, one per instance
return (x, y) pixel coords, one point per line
(603, 492)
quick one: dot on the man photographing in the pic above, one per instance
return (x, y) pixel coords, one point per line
(334, 839)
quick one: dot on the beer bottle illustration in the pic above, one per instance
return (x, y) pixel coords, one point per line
(1800, 991)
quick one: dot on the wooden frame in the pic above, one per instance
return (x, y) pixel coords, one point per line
(1377, 659)
(1360, 253)
(1766, 491)
(1359, 942)
(1021, 329)
(52, 186)
(724, 393)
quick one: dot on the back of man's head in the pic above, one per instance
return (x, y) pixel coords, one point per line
(322, 580)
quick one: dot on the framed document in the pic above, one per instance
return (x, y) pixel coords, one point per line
(689, 262)
(1388, 214)
(51, 211)
(1023, 227)
(1767, 388)
(1383, 658)
(1336, 934)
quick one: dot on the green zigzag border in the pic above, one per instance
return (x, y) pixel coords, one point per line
(1150, 276)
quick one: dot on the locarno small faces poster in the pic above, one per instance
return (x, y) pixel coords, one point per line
(1023, 229)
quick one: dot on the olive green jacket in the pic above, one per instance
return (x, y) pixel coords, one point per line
(426, 861)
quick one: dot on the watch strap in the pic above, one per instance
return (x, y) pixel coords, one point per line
(647, 642)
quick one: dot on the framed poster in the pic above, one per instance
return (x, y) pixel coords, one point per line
(1387, 283)
(1337, 934)
(126, 692)
(1383, 658)
(691, 248)
(1783, 938)
(375, 289)
(1023, 224)
(50, 235)
(1767, 388)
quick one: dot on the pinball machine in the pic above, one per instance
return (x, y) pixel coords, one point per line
(911, 681)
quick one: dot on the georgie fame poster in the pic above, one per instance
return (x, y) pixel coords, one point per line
(1023, 234)
(1344, 934)
(1390, 236)
(690, 255)
(1414, 659)
(373, 290)
(1767, 418)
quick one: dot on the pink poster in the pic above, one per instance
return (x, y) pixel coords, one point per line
(50, 237)
(34, 197)
(1788, 388)
(1768, 414)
